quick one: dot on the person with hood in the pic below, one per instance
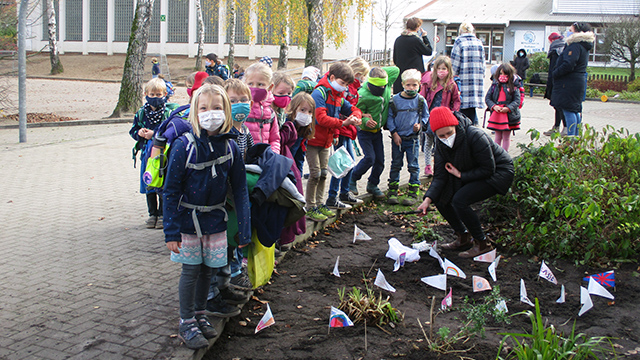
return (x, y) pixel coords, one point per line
(469, 167)
(570, 73)
(521, 63)
(467, 60)
(555, 49)
(408, 50)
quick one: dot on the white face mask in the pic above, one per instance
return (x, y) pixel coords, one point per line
(211, 120)
(449, 141)
(303, 119)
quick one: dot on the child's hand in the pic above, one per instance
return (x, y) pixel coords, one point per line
(145, 133)
(371, 124)
(396, 139)
(335, 141)
(416, 127)
(174, 246)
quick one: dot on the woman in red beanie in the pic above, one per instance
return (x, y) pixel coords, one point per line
(469, 167)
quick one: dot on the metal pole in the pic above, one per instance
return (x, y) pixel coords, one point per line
(22, 70)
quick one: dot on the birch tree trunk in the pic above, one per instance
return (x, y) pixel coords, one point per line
(200, 35)
(315, 38)
(56, 65)
(283, 57)
(130, 98)
(232, 33)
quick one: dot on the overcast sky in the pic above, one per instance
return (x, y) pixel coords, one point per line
(401, 8)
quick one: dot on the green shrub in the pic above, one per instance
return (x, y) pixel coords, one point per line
(538, 62)
(634, 85)
(579, 200)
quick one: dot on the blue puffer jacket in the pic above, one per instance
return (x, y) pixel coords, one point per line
(201, 188)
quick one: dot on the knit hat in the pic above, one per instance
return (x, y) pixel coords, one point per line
(311, 72)
(554, 36)
(440, 117)
(266, 60)
(200, 76)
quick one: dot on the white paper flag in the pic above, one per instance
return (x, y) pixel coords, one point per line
(447, 302)
(399, 262)
(335, 267)
(421, 246)
(493, 266)
(561, 298)
(358, 234)
(546, 273)
(266, 321)
(437, 281)
(435, 254)
(451, 269)
(502, 306)
(585, 300)
(486, 257)
(381, 281)
(480, 284)
(523, 294)
(596, 289)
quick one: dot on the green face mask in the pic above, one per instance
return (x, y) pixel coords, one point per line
(411, 93)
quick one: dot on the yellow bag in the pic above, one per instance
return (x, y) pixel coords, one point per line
(260, 262)
(156, 169)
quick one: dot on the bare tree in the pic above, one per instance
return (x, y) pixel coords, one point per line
(200, 35)
(315, 39)
(231, 23)
(54, 56)
(129, 99)
(622, 42)
(390, 12)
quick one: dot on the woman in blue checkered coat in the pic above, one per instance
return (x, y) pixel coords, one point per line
(468, 63)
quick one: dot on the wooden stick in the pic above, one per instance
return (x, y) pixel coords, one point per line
(365, 334)
(433, 303)
(371, 268)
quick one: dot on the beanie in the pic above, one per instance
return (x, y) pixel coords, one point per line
(440, 117)
(554, 36)
(200, 76)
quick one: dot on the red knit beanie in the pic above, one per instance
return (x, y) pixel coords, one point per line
(200, 76)
(554, 36)
(441, 117)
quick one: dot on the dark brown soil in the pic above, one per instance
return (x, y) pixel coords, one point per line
(304, 289)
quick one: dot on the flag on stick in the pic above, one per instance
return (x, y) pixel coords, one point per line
(336, 272)
(546, 273)
(447, 302)
(561, 298)
(266, 321)
(358, 234)
(523, 294)
(338, 318)
(381, 281)
(451, 269)
(486, 257)
(399, 262)
(605, 279)
(502, 306)
(596, 289)
(434, 253)
(585, 300)
(480, 284)
(437, 281)
(493, 266)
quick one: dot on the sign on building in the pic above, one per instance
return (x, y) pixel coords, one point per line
(530, 40)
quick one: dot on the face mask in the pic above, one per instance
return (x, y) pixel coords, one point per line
(503, 78)
(207, 63)
(568, 33)
(258, 94)
(156, 102)
(240, 111)
(337, 87)
(211, 120)
(303, 119)
(376, 90)
(411, 93)
(442, 74)
(281, 101)
(449, 141)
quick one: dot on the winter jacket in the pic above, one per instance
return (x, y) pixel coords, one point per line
(555, 49)
(330, 104)
(408, 50)
(218, 70)
(304, 85)
(289, 138)
(476, 156)
(450, 98)
(521, 63)
(263, 125)
(467, 60)
(377, 106)
(569, 75)
(407, 115)
(184, 186)
(512, 97)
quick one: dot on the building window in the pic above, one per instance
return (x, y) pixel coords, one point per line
(177, 17)
(73, 19)
(123, 19)
(242, 16)
(45, 20)
(210, 20)
(98, 20)
(154, 31)
(265, 30)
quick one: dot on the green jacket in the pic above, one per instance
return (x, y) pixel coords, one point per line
(377, 106)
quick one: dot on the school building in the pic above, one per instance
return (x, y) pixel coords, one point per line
(104, 26)
(505, 26)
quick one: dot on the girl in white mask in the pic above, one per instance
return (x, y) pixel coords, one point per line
(469, 167)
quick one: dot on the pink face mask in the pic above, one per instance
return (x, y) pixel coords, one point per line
(503, 78)
(258, 94)
(442, 74)
(281, 101)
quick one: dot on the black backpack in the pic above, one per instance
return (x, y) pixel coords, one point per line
(418, 110)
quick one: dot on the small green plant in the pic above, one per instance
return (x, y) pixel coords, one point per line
(545, 343)
(538, 63)
(423, 229)
(478, 313)
(366, 306)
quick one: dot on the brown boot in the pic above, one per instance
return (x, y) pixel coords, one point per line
(462, 242)
(479, 248)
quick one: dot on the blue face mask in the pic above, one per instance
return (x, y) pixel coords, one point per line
(240, 111)
(156, 102)
(568, 33)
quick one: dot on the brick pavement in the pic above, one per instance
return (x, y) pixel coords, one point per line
(83, 278)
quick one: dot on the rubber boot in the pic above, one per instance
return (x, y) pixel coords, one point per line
(392, 194)
(412, 195)
(479, 248)
(462, 242)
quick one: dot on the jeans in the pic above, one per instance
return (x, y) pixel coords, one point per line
(411, 147)
(342, 183)
(154, 204)
(219, 280)
(193, 289)
(459, 212)
(317, 157)
(471, 114)
(373, 149)
(573, 122)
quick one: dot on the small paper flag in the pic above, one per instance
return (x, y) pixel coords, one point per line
(447, 302)
(358, 234)
(266, 321)
(486, 257)
(399, 262)
(493, 266)
(585, 300)
(502, 306)
(523, 294)
(437, 281)
(561, 298)
(381, 281)
(435, 254)
(451, 269)
(546, 273)
(596, 289)
(480, 284)
(338, 318)
(336, 272)
(605, 279)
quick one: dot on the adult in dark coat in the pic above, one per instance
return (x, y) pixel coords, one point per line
(469, 167)
(570, 75)
(555, 49)
(521, 63)
(408, 50)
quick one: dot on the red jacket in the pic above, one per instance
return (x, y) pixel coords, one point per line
(450, 98)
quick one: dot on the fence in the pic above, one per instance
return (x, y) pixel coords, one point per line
(606, 77)
(375, 57)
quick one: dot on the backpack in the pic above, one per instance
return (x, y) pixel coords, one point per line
(140, 144)
(421, 102)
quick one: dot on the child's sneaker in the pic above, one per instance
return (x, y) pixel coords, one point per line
(233, 297)
(219, 308)
(190, 334)
(242, 282)
(392, 194)
(205, 327)
(428, 171)
(324, 210)
(334, 203)
(412, 195)
(159, 223)
(563, 132)
(353, 186)
(151, 222)
(350, 198)
(375, 191)
(316, 215)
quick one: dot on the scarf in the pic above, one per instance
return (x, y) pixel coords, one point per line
(153, 117)
(460, 157)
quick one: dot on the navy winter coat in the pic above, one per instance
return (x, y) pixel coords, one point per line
(569, 76)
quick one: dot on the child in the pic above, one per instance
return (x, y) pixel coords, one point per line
(146, 120)
(155, 69)
(406, 117)
(503, 98)
(330, 104)
(261, 122)
(214, 66)
(281, 87)
(194, 200)
(240, 98)
(439, 89)
(374, 104)
(238, 71)
(171, 90)
(213, 80)
(309, 80)
(360, 69)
